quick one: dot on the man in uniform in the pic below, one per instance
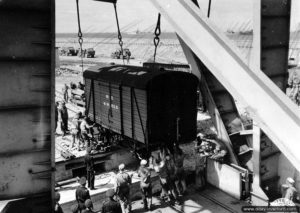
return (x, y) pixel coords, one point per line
(65, 92)
(110, 205)
(89, 165)
(123, 182)
(145, 183)
(63, 117)
(82, 194)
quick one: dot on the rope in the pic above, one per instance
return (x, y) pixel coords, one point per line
(156, 38)
(119, 32)
(80, 39)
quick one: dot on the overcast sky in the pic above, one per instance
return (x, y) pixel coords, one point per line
(142, 15)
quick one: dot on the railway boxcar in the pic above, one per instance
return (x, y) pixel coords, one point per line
(148, 106)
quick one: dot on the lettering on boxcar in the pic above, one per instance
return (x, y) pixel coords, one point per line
(113, 106)
(111, 97)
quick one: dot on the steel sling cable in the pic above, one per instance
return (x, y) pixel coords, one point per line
(80, 39)
(208, 11)
(119, 33)
(156, 38)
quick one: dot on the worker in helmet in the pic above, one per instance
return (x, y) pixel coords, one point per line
(122, 188)
(289, 191)
(88, 206)
(145, 183)
(75, 208)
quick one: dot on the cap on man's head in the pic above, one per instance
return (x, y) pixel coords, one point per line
(200, 135)
(290, 180)
(57, 196)
(74, 208)
(82, 181)
(143, 162)
(122, 166)
(88, 203)
(110, 193)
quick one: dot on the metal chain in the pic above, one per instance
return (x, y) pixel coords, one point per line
(156, 38)
(80, 39)
(119, 32)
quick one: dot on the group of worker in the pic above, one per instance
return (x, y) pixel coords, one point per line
(66, 88)
(81, 129)
(207, 147)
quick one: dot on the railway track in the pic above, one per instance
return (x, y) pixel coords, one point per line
(178, 208)
(218, 203)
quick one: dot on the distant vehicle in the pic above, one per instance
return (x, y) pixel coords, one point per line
(90, 52)
(117, 54)
(69, 51)
(292, 62)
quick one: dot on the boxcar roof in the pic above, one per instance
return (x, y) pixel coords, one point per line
(133, 76)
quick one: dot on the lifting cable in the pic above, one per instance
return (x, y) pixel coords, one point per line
(80, 39)
(208, 11)
(119, 32)
(157, 34)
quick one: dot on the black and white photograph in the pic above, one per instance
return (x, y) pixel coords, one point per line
(162, 106)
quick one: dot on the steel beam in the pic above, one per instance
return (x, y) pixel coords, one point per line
(208, 99)
(270, 54)
(266, 103)
(108, 1)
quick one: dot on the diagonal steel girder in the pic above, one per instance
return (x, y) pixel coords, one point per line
(274, 112)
